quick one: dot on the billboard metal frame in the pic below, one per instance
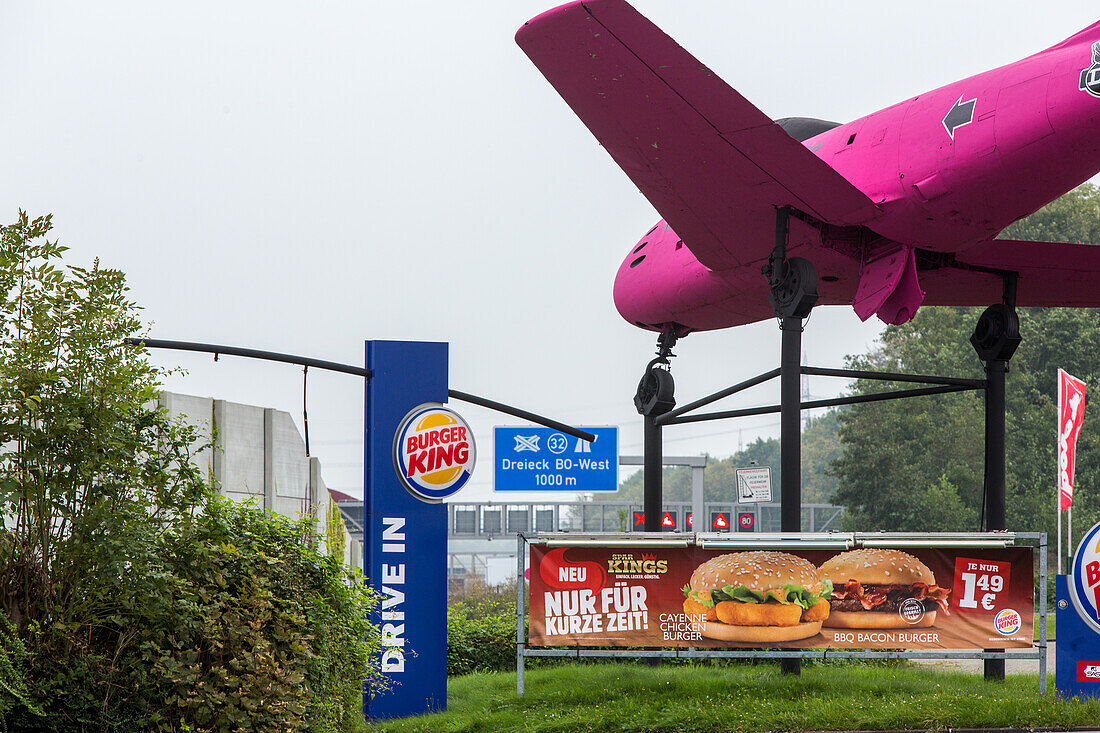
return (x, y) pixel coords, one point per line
(789, 540)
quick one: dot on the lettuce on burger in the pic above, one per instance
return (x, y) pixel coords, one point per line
(758, 596)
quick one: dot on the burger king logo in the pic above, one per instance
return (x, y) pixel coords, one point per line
(1084, 579)
(433, 452)
(1007, 622)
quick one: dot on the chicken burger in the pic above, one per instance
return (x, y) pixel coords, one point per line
(758, 596)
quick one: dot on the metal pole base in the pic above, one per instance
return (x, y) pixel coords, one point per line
(790, 666)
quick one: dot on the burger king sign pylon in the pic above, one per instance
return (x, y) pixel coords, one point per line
(416, 453)
(1077, 652)
(433, 452)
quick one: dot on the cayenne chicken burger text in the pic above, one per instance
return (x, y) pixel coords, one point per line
(882, 589)
(758, 596)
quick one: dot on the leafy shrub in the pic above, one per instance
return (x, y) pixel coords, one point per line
(13, 671)
(479, 641)
(131, 597)
(265, 632)
(481, 626)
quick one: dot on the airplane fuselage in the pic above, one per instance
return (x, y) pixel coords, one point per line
(956, 165)
(946, 170)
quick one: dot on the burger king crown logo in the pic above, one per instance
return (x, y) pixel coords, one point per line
(1084, 580)
(433, 452)
(1007, 622)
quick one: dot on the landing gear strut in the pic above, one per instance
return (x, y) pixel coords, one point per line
(654, 398)
(793, 295)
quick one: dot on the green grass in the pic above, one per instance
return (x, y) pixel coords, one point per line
(840, 696)
(1050, 627)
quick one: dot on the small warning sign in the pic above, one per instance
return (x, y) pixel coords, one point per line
(754, 485)
(719, 522)
(668, 521)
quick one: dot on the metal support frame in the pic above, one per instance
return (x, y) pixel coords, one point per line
(944, 385)
(1038, 652)
(332, 366)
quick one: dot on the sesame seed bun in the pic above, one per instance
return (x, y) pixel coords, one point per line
(876, 567)
(757, 570)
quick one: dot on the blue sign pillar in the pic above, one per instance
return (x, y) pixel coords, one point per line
(1077, 651)
(405, 538)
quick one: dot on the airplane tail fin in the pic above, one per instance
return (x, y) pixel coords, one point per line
(1092, 33)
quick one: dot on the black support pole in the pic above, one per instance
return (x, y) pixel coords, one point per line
(790, 443)
(996, 338)
(995, 458)
(653, 462)
(790, 427)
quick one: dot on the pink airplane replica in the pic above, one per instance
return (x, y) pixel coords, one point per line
(891, 211)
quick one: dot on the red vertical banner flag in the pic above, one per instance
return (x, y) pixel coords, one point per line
(1071, 413)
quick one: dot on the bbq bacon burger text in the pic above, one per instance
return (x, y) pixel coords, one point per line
(882, 589)
(758, 596)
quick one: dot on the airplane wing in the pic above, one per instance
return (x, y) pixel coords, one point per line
(713, 165)
(1052, 275)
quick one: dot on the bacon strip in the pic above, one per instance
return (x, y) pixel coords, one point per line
(854, 590)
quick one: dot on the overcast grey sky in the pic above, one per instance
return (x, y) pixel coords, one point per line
(301, 177)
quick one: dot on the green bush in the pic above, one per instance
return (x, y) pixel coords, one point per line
(480, 638)
(131, 597)
(481, 626)
(257, 630)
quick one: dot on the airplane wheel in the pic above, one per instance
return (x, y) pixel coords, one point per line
(997, 334)
(655, 392)
(795, 294)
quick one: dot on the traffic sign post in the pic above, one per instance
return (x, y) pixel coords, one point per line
(544, 459)
(746, 522)
(754, 485)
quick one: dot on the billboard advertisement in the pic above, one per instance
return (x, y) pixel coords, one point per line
(926, 598)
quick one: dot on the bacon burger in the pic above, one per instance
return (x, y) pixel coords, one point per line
(758, 596)
(882, 589)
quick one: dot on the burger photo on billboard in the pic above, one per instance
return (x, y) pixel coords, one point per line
(758, 596)
(882, 589)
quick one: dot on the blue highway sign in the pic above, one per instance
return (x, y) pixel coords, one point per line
(543, 459)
